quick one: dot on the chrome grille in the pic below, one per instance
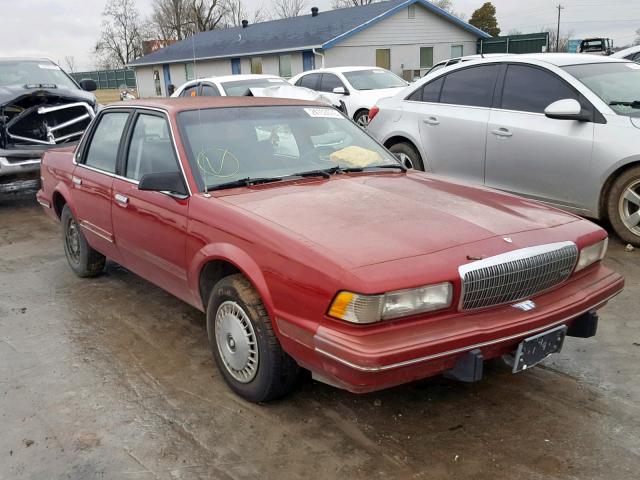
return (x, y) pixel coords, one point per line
(516, 275)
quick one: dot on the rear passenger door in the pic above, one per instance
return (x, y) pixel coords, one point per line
(452, 113)
(530, 154)
(92, 180)
(150, 227)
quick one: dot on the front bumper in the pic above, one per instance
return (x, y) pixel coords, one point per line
(362, 360)
(19, 170)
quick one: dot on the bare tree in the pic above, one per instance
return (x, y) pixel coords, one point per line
(207, 14)
(287, 8)
(120, 39)
(237, 12)
(70, 63)
(448, 6)
(171, 19)
(562, 44)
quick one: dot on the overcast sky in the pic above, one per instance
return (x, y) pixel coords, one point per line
(57, 28)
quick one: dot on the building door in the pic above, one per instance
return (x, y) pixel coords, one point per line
(235, 66)
(167, 76)
(383, 58)
(308, 60)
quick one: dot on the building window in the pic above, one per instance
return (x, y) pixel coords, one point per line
(426, 57)
(285, 66)
(256, 64)
(188, 71)
(383, 58)
(456, 51)
(411, 11)
(156, 81)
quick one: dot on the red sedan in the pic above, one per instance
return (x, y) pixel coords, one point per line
(309, 246)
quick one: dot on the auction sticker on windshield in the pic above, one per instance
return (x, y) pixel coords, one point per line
(323, 113)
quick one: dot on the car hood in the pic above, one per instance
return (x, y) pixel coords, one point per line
(364, 219)
(12, 93)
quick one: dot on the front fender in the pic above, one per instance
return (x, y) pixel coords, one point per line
(237, 257)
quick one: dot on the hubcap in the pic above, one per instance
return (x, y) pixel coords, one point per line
(236, 342)
(72, 237)
(629, 207)
(363, 120)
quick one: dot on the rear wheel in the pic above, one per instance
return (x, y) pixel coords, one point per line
(244, 345)
(623, 206)
(362, 118)
(404, 151)
(83, 260)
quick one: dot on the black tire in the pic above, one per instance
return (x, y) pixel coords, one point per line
(362, 118)
(83, 260)
(276, 372)
(616, 206)
(405, 148)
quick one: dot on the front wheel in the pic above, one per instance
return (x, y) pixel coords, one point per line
(362, 118)
(405, 151)
(623, 206)
(83, 260)
(244, 345)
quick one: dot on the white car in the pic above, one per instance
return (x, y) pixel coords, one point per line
(358, 88)
(557, 127)
(631, 53)
(226, 85)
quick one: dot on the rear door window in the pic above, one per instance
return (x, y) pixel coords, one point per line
(429, 92)
(310, 81)
(470, 86)
(102, 152)
(531, 89)
(190, 91)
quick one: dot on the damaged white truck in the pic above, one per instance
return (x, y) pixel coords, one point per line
(41, 107)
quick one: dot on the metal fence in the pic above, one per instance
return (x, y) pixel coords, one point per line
(109, 79)
(529, 43)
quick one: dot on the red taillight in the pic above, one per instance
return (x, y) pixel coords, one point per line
(373, 112)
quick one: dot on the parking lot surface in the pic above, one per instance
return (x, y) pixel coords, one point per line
(112, 378)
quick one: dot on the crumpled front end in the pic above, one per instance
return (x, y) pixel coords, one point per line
(32, 122)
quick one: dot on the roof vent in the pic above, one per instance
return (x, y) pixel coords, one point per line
(314, 11)
(245, 23)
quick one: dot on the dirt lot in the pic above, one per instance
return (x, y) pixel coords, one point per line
(112, 378)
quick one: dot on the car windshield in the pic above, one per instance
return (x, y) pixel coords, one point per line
(233, 144)
(240, 88)
(374, 79)
(33, 73)
(617, 84)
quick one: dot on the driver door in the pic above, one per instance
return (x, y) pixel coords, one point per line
(151, 227)
(531, 154)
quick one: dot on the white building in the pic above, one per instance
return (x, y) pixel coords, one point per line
(404, 36)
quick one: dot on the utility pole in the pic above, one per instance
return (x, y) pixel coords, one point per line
(560, 8)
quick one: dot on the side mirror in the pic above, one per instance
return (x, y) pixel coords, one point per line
(88, 85)
(163, 182)
(566, 109)
(340, 91)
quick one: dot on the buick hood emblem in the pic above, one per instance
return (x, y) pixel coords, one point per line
(525, 306)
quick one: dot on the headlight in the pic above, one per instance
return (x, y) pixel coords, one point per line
(592, 254)
(356, 308)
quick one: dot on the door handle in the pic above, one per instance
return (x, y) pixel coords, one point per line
(431, 121)
(121, 199)
(76, 180)
(502, 132)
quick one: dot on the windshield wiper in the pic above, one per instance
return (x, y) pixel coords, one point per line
(325, 172)
(244, 182)
(632, 104)
(373, 168)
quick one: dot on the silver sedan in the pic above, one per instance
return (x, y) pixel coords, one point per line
(560, 128)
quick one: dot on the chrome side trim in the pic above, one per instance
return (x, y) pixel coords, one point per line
(391, 366)
(44, 203)
(96, 231)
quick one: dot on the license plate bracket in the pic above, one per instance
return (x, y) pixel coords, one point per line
(533, 350)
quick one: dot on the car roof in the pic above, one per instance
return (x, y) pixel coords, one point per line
(179, 104)
(626, 51)
(564, 59)
(239, 77)
(341, 69)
